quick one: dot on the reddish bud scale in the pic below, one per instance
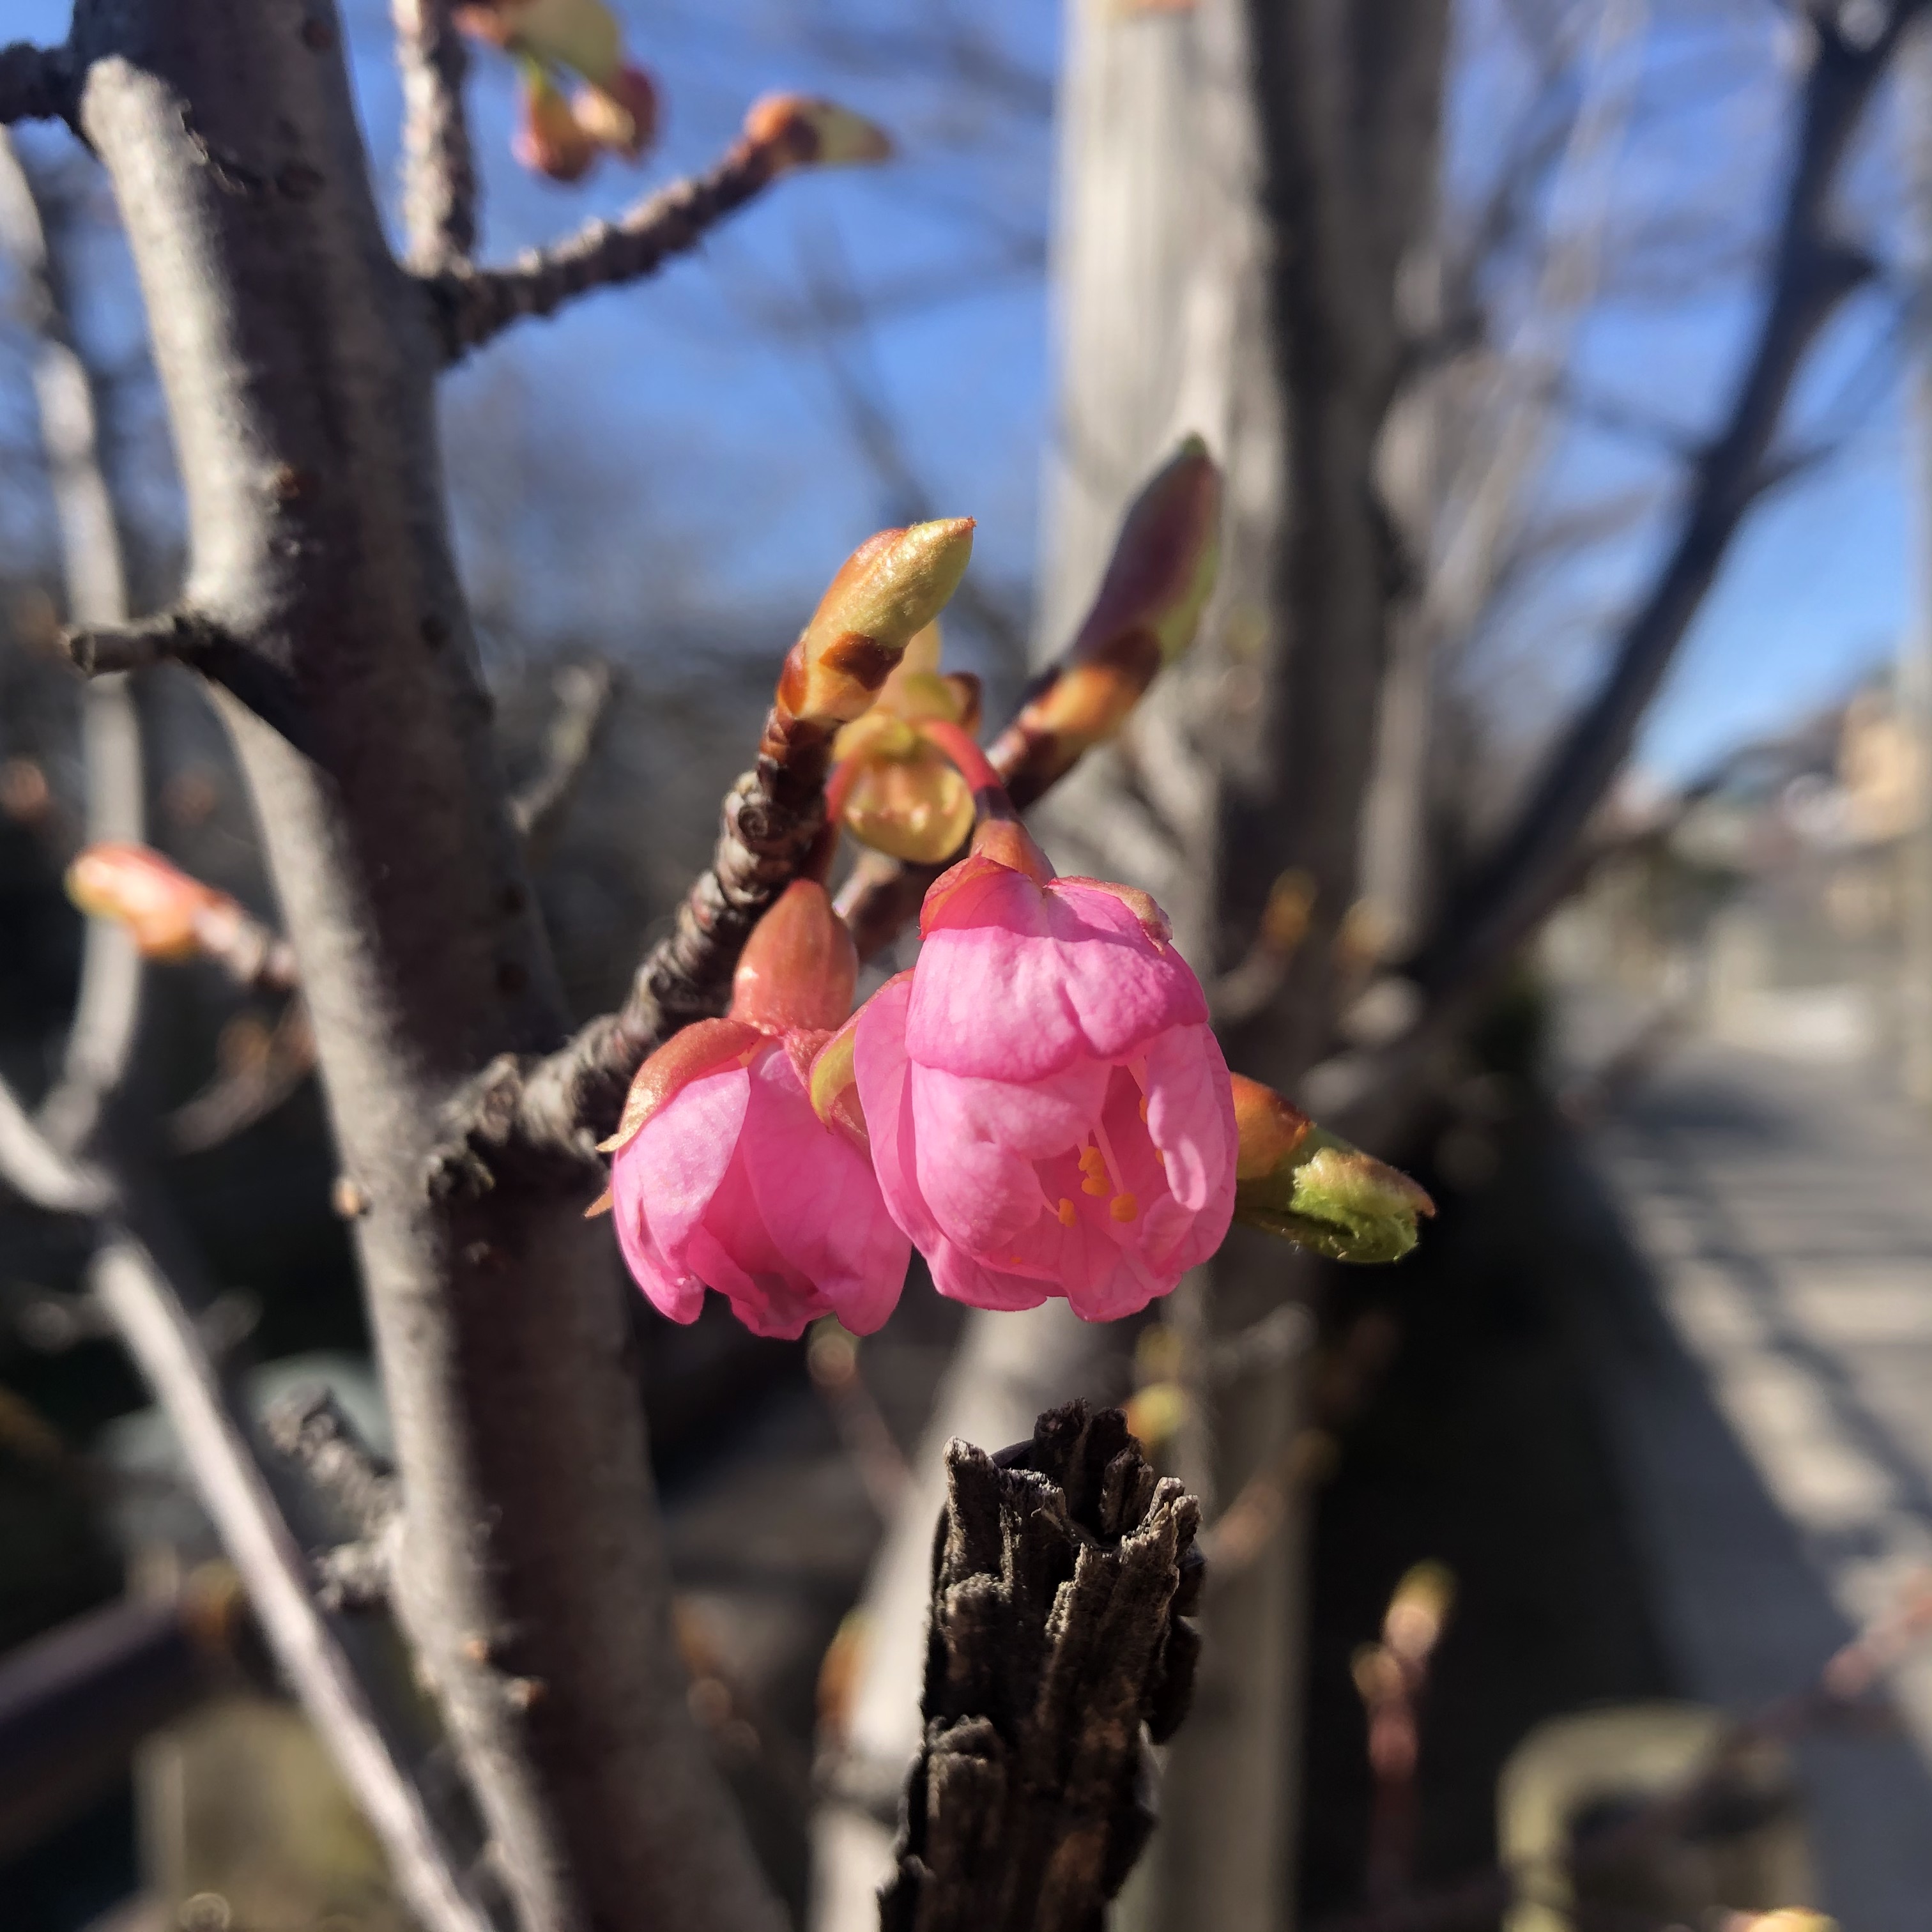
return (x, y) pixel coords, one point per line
(799, 967)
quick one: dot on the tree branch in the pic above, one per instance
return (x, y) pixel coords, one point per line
(157, 1331)
(584, 695)
(1061, 1580)
(101, 1041)
(439, 185)
(159, 1335)
(473, 305)
(1533, 862)
(36, 83)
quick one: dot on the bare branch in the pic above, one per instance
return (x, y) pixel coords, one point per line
(439, 185)
(1531, 864)
(473, 305)
(36, 83)
(235, 1101)
(38, 1172)
(309, 1427)
(584, 695)
(160, 1336)
(1062, 1579)
(157, 1331)
(101, 1040)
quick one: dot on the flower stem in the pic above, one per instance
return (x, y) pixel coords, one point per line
(989, 789)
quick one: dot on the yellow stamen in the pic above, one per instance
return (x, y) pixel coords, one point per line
(1095, 1183)
(1123, 1207)
(1143, 1109)
(1067, 1217)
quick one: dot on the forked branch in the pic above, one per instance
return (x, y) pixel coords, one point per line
(36, 83)
(439, 186)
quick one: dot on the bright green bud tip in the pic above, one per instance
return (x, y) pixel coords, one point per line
(1334, 1199)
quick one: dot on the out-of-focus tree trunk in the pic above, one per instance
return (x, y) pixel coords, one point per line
(1246, 197)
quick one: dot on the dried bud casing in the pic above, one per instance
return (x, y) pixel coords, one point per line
(887, 591)
(1295, 1181)
(798, 968)
(798, 131)
(700, 1048)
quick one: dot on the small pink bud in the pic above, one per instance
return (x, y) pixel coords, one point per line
(170, 916)
(799, 967)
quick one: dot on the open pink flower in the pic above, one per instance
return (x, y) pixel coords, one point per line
(723, 1176)
(1049, 1112)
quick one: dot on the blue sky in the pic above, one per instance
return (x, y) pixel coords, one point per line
(726, 472)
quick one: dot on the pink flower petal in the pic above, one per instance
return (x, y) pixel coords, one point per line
(1040, 979)
(734, 1252)
(1034, 1118)
(1191, 1117)
(663, 1178)
(817, 1195)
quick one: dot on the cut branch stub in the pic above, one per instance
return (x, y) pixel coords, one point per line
(1062, 1574)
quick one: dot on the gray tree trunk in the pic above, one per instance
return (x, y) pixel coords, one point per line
(299, 364)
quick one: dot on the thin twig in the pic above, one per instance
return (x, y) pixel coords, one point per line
(160, 1337)
(36, 83)
(107, 1012)
(157, 1331)
(1815, 271)
(439, 185)
(473, 305)
(584, 695)
(234, 1101)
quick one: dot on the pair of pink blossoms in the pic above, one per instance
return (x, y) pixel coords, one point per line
(1039, 1106)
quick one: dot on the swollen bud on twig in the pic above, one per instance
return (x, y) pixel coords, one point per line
(1157, 584)
(887, 591)
(799, 967)
(171, 917)
(1296, 1181)
(616, 108)
(797, 131)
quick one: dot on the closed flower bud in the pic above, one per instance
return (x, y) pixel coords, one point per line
(797, 131)
(725, 1177)
(1295, 1181)
(887, 591)
(170, 916)
(1148, 608)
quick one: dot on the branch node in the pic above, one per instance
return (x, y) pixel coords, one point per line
(309, 1427)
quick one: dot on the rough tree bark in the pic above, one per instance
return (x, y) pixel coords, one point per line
(299, 362)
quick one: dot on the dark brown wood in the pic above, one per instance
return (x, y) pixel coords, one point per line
(1063, 1573)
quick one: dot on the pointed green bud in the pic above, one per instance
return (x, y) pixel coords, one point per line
(885, 592)
(1294, 1179)
(800, 132)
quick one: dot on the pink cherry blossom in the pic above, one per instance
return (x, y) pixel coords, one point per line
(723, 1177)
(1048, 1110)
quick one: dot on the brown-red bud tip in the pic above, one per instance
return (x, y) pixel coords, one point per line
(798, 131)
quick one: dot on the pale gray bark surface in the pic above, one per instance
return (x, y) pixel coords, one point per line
(299, 362)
